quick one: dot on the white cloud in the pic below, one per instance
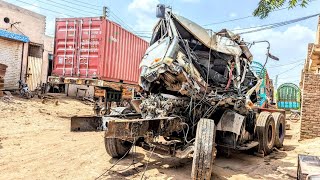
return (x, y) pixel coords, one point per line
(190, 1)
(232, 15)
(145, 13)
(143, 6)
(289, 45)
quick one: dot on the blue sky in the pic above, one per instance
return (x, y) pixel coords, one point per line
(289, 42)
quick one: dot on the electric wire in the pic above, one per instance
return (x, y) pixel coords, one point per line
(65, 5)
(133, 144)
(275, 25)
(115, 16)
(289, 69)
(123, 23)
(145, 169)
(82, 5)
(56, 12)
(288, 64)
(59, 6)
(272, 24)
(245, 17)
(86, 3)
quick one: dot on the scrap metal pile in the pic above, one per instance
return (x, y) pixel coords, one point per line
(193, 73)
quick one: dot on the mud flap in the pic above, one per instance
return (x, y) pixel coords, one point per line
(87, 123)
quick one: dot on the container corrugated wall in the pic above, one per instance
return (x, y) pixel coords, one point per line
(123, 53)
(97, 48)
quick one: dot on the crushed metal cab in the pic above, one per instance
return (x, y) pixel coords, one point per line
(199, 92)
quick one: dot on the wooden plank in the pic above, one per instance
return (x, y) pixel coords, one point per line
(34, 71)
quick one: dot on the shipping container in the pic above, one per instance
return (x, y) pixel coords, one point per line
(96, 48)
(288, 96)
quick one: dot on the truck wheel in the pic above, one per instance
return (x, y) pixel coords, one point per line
(205, 151)
(280, 128)
(117, 148)
(265, 132)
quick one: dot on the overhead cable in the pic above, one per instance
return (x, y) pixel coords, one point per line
(56, 12)
(275, 25)
(245, 17)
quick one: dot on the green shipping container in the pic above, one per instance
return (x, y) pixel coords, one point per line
(288, 96)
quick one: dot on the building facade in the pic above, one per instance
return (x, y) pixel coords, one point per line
(24, 47)
(310, 91)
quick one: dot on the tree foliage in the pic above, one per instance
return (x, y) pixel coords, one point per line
(267, 6)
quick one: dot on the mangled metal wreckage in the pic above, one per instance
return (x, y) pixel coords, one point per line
(199, 93)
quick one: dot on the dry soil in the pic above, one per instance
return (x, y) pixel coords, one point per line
(36, 143)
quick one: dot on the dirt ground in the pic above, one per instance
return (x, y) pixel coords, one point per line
(36, 143)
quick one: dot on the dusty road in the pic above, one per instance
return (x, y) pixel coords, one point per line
(35, 143)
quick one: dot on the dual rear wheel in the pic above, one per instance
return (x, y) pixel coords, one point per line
(270, 131)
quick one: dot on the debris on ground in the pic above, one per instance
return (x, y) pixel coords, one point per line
(30, 137)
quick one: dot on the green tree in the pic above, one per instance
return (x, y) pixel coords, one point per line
(267, 6)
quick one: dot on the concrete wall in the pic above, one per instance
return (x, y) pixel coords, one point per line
(30, 24)
(10, 55)
(310, 109)
(48, 49)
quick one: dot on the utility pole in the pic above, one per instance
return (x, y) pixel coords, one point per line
(275, 91)
(105, 12)
(276, 82)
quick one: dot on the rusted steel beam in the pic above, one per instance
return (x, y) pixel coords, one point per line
(148, 128)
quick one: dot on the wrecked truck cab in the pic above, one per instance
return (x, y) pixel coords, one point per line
(199, 93)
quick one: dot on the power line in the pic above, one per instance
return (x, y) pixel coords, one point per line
(290, 77)
(121, 22)
(82, 5)
(69, 6)
(289, 69)
(272, 24)
(86, 3)
(51, 4)
(56, 12)
(289, 63)
(245, 17)
(128, 26)
(236, 19)
(230, 20)
(275, 25)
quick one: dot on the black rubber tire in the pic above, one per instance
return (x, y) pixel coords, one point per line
(117, 148)
(280, 122)
(265, 132)
(205, 150)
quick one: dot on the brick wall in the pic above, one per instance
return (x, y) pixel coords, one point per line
(310, 109)
(10, 55)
